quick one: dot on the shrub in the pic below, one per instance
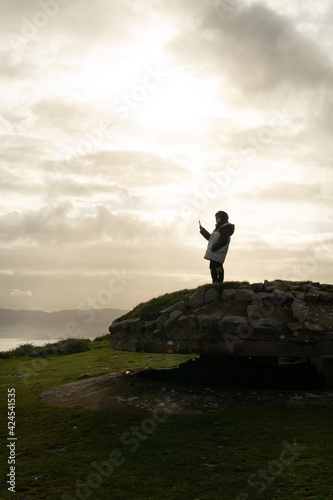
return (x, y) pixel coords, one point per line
(63, 347)
(22, 350)
(103, 337)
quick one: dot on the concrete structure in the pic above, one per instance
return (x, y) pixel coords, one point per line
(270, 319)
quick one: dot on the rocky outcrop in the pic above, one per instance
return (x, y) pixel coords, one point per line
(263, 319)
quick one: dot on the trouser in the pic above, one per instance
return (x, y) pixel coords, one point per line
(216, 271)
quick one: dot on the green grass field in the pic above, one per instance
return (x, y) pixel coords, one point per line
(73, 453)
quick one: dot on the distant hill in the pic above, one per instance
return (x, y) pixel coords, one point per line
(66, 323)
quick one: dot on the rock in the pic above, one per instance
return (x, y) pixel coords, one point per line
(257, 287)
(234, 324)
(269, 286)
(192, 321)
(325, 297)
(300, 296)
(244, 295)
(134, 325)
(266, 325)
(172, 319)
(297, 302)
(311, 297)
(197, 299)
(294, 325)
(115, 327)
(281, 297)
(178, 306)
(211, 295)
(189, 322)
(149, 326)
(228, 294)
(254, 312)
(261, 297)
(299, 310)
(264, 301)
(206, 322)
(313, 328)
(161, 320)
(300, 313)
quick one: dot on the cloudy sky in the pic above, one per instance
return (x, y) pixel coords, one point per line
(123, 122)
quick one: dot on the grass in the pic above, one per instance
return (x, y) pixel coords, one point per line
(65, 453)
(151, 309)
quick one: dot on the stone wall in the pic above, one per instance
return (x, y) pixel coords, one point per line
(269, 318)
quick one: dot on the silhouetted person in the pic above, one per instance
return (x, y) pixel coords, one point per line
(218, 244)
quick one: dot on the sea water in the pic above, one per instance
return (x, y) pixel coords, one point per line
(6, 344)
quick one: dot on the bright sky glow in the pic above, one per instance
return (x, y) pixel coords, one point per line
(123, 123)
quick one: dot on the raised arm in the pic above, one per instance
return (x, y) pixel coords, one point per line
(204, 233)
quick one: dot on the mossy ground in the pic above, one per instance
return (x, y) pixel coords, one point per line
(151, 309)
(232, 454)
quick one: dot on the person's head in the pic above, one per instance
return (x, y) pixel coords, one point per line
(221, 216)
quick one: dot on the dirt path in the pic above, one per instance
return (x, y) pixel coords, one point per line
(126, 391)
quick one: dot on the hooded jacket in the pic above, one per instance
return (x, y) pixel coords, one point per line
(218, 241)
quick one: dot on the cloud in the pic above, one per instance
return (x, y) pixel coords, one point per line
(15, 292)
(317, 194)
(240, 121)
(131, 169)
(63, 223)
(257, 49)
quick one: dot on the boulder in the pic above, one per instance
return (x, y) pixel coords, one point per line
(266, 325)
(149, 326)
(192, 321)
(172, 319)
(325, 297)
(300, 313)
(299, 310)
(206, 322)
(257, 287)
(311, 297)
(228, 294)
(211, 295)
(313, 328)
(160, 322)
(178, 306)
(234, 324)
(196, 300)
(134, 325)
(262, 297)
(294, 325)
(244, 295)
(254, 312)
(265, 302)
(281, 297)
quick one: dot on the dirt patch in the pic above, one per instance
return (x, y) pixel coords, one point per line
(121, 391)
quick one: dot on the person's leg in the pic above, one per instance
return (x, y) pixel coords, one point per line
(214, 270)
(220, 273)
